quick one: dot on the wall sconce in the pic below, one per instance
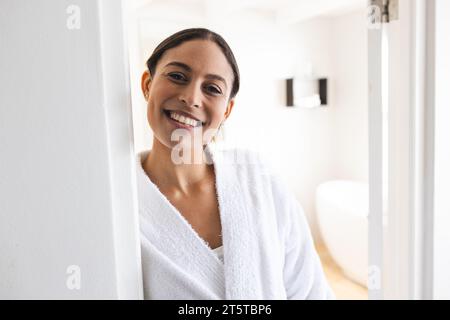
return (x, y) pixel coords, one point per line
(306, 93)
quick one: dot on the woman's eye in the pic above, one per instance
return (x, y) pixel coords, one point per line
(176, 76)
(213, 89)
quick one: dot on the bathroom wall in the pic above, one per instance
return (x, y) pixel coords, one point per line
(334, 139)
(305, 146)
(68, 213)
(350, 96)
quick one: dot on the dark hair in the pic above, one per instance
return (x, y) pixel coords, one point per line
(191, 34)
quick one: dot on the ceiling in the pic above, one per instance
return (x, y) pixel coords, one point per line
(288, 11)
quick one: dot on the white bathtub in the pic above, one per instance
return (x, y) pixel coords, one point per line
(342, 208)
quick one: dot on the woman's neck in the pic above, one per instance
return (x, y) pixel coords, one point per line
(178, 179)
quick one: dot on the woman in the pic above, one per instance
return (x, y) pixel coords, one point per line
(214, 224)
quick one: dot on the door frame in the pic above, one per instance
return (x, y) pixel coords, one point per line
(401, 242)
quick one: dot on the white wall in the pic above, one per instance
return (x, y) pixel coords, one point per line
(350, 96)
(67, 164)
(441, 259)
(306, 146)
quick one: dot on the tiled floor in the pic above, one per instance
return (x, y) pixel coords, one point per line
(344, 288)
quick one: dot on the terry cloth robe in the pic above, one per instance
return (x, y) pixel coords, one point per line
(267, 245)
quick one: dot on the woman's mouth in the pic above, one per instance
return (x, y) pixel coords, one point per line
(182, 121)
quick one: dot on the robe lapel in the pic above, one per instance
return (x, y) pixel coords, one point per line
(238, 229)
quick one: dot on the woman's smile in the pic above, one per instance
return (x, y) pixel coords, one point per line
(181, 121)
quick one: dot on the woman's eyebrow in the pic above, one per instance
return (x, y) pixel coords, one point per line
(179, 64)
(189, 69)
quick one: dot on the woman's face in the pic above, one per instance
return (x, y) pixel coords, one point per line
(193, 78)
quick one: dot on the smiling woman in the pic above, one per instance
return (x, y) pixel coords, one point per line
(191, 212)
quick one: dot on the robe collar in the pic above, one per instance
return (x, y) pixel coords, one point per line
(175, 238)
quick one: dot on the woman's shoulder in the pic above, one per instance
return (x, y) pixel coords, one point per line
(255, 167)
(259, 165)
(271, 188)
(241, 157)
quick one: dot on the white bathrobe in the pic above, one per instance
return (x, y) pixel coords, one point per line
(267, 245)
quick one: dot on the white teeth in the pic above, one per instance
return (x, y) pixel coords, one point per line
(185, 120)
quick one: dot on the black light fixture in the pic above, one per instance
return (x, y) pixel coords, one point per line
(308, 93)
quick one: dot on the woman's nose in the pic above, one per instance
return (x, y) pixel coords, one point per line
(191, 96)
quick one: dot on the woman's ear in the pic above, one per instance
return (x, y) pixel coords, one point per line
(229, 108)
(145, 83)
